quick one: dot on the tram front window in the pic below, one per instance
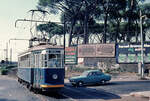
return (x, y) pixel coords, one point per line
(53, 61)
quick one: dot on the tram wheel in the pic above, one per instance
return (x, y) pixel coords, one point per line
(30, 88)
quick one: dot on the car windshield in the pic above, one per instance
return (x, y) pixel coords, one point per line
(84, 73)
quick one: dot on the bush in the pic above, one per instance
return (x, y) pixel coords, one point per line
(4, 71)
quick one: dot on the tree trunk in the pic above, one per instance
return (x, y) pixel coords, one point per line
(86, 17)
(117, 31)
(144, 37)
(77, 40)
(86, 34)
(71, 31)
(128, 32)
(136, 34)
(105, 28)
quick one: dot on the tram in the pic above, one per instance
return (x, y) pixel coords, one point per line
(42, 67)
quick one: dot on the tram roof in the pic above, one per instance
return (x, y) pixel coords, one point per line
(47, 46)
(41, 47)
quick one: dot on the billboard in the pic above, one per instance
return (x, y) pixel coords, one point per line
(86, 51)
(105, 50)
(96, 50)
(70, 55)
(131, 53)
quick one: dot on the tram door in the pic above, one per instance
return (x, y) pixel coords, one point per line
(37, 69)
(32, 68)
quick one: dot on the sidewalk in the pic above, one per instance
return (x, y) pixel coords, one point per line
(144, 94)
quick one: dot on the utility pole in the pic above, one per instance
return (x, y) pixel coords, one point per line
(10, 55)
(7, 53)
(142, 45)
(64, 32)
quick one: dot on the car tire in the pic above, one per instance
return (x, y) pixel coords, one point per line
(80, 84)
(103, 81)
(73, 84)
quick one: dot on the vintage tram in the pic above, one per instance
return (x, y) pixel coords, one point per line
(41, 67)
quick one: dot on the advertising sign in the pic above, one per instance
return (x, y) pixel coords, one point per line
(86, 50)
(105, 50)
(131, 53)
(96, 50)
(70, 55)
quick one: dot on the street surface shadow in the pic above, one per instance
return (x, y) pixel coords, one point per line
(88, 93)
(6, 100)
(55, 95)
(94, 85)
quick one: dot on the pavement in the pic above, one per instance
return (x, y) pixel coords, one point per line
(144, 94)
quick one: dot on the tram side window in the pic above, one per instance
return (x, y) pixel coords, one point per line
(24, 61)
(44, 60)
(32, 61)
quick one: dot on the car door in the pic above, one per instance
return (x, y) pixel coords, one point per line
(37, 70)
(91, 78)
(100, 76)
(95, 77)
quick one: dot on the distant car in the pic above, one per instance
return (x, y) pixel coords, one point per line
(90, 77)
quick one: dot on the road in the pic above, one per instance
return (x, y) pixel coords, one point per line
(11, 90)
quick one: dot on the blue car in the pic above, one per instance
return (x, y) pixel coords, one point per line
(90, 77)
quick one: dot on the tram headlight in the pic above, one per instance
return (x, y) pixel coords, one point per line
(55, 76)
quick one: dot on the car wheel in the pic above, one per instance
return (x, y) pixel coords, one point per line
(103, 81)
(80, 84)
(73, 84)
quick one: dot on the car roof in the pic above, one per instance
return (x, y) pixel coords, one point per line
(93, 71)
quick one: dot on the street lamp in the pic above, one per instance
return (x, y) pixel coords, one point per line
(142, 45)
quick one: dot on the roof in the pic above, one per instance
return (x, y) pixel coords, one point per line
(41, 47)
(93, 71)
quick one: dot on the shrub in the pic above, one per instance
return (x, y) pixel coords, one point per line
(4, 71)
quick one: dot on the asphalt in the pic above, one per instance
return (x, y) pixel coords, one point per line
(144, 94)
(133, 96)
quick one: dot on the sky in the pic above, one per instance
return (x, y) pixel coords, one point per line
(10, 11)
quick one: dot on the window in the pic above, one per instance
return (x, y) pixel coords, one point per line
(99, 73)
(24, 61)
(53, 58)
